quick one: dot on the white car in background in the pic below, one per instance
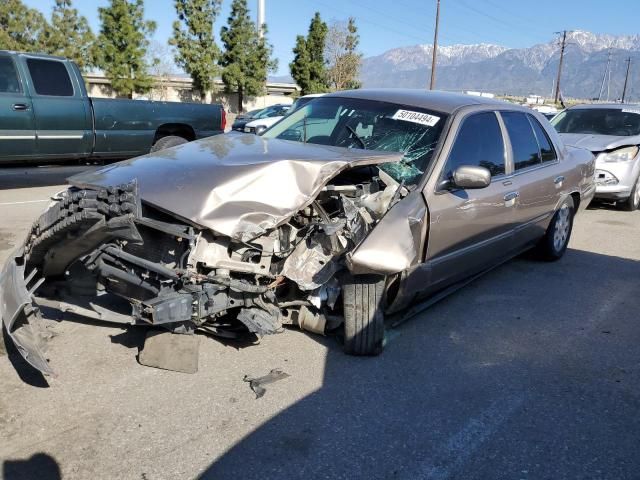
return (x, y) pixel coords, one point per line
(260, 125)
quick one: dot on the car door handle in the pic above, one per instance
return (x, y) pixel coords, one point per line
(511, 196)
(558, 180)
(20, 106)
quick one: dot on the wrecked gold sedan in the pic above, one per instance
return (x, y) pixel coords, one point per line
(349, 210)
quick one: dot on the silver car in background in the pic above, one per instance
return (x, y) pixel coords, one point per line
(612, 133)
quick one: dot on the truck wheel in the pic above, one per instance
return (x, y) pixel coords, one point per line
(633, 202)
(363, 317)
(555, 241)
(167, 142)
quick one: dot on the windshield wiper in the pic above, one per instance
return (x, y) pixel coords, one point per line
(358, 137)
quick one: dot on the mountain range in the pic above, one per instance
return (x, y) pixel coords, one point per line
(516, 71)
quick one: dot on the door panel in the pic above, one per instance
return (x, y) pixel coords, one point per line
(471, 229)
(63, 122)
(538, 182)
(17, 127)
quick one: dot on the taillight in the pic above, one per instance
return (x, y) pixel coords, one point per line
(223, 120)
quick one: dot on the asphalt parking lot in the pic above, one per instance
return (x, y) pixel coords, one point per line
(531, 372)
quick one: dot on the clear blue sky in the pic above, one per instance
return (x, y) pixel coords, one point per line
(386, 24)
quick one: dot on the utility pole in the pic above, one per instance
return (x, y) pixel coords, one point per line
(564, 42)
(626, 79)
(435, 49)
(604, 77)
(260, 22)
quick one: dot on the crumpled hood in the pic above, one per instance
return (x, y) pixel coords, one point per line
(598, 143)
(236, 184)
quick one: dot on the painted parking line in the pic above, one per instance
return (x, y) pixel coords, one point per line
(26, 201)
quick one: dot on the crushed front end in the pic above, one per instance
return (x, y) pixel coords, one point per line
(102, 253)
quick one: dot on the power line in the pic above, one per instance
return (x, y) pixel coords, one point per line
(363, 19)
(494, 19)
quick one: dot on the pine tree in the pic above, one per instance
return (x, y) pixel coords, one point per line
(21, 28)
(246, 59)
(299, 68)
(121, 46)
(193, 37)
(342, 56)
(70, 35)
(308, 68)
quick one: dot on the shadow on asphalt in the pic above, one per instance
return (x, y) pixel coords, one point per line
(26, 372)
(39, 466)
(527, 372)
(39, 176)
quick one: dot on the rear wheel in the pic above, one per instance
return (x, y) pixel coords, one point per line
(633, 202)
(363, 317)
(555, 241)
(167, 142)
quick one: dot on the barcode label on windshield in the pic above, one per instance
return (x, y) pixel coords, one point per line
(416, 117)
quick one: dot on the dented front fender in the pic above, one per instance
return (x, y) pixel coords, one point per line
(384, 253)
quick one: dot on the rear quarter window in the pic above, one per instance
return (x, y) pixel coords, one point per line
(50, 77)
(546, 147)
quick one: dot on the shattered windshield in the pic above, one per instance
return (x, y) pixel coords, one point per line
(368, 125)
(599, 121)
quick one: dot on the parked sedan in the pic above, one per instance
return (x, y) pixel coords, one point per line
(612, 133)
(269, 114)
(243, 118)
(259, 126)
(349, 210)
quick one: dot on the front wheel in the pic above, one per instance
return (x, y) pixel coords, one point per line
(363, 317)
(555, 241)
(633, 202)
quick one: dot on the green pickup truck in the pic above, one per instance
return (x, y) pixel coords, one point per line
(46, 115)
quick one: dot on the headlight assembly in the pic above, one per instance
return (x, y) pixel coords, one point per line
(625, 154)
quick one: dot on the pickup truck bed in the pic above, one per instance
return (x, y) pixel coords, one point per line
(46, 115)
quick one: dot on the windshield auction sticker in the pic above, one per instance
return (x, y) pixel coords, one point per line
(416, 117)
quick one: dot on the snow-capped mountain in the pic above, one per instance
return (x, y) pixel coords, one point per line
(517, 71)
(409, 58)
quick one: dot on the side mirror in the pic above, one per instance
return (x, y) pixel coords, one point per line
(467, 176)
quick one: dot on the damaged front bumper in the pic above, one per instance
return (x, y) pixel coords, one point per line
(21, 318)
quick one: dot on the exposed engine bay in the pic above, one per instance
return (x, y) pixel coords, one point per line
(104, 253)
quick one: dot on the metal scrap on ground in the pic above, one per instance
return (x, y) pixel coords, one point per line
(257, 384)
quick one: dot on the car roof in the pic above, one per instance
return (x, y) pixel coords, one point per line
(32, 54)
(446, 102)
(616, 106)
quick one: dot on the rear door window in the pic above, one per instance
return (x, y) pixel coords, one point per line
(546, 148)
(523, 141)
(478, 143)
(50, 77)
(9, 82)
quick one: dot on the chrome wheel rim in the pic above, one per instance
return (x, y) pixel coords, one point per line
(636, 194)
(561, 228)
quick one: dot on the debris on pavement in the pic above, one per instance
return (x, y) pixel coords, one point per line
(170, 351)
(257, 384)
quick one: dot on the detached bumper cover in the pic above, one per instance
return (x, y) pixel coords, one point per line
(20, 316)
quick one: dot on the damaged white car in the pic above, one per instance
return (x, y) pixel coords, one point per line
(346, 211)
